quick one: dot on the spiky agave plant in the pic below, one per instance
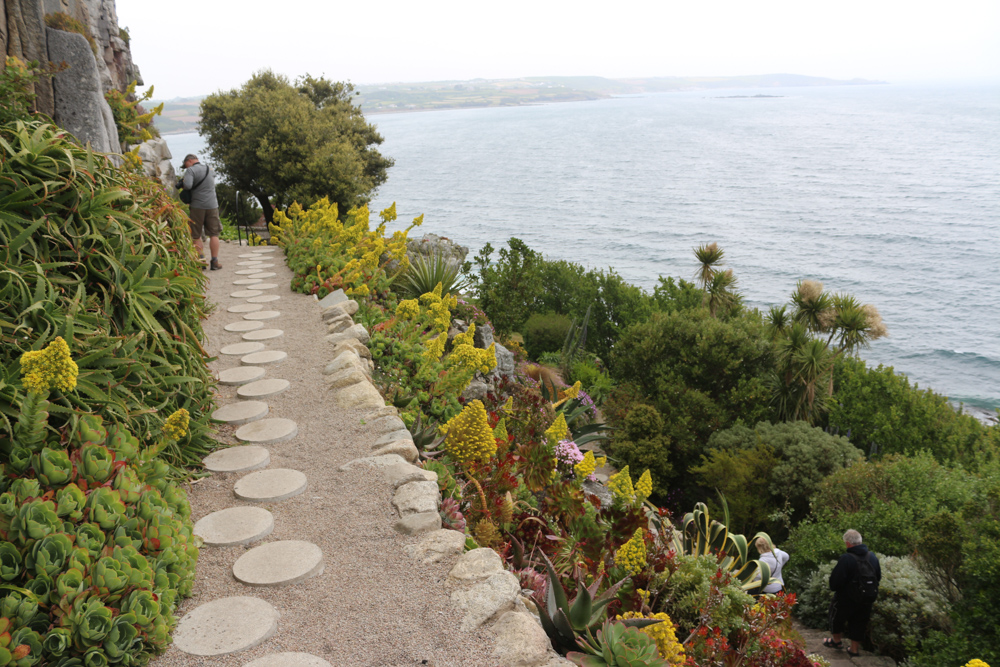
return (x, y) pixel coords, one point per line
(619, 644)
(426, 272)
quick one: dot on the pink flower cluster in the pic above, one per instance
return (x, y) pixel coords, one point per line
(568, 453)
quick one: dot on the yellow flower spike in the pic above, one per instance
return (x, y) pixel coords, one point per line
(602, 461)
(664, 634)
(435, 347)
(644, 487)
(508, 407)
(467, 338)
(176, 426)
(975, 662)
(631, 556)
(558, 430)
(469, 436)
(620, 485)
(572, 392)
(408, 309)
(500, 430)
(586, 467)
(50, 368)
(507, 509)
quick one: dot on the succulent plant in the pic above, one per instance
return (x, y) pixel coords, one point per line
(90, 621)
(70, 501)
(53, 467)
(619, 644)
(451, 516)
(96, 464)
(122, 443)
(49, 554)
(25, 488)
(11, 562)
(106, 507)
(34, 520)
(90, 431)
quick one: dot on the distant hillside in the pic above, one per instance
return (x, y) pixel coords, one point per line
(181, 114)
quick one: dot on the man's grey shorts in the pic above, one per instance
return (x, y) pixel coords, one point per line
(205, 222)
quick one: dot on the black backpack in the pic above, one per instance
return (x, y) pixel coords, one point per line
(863, 586)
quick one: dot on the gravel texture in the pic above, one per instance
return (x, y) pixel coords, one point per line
(373, 605)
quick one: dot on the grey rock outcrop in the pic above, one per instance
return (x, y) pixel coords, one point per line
(22, 32)
(79, 98)
(157, 163)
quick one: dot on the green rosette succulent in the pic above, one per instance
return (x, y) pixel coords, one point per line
(27, 637)
(159, 636)
(89, 621)
(108, 577)
(618, 645)
(156, 474)
(25, 488)
(42, 586)
(122, 638)
(135, 565)
(106, 508)
(57, 641)
(90, 537)
(11, 562)
(122, 443)
(49, 554)
(80, 558)
(20, 610)
(97, 464)
(127, 485)
(8, 504)
(70, 501)
(34, 520)
(151, 503)
(20, 460)
(161, 536)
(53, 467)
(70, 584)
(95, 657)
(143, 606)
(90, 431)
(177, 499)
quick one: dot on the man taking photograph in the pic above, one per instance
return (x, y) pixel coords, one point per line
(204, 220)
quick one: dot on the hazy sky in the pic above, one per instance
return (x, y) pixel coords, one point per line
(190, 47)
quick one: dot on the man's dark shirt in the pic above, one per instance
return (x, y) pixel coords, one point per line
(847, 566)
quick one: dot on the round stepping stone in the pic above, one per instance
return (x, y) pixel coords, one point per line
(260, 286)
(245, 308)
(270, 485)
(263, 334)
(259, 265)
(244, 326)
(279, 563)
(246, 272)
(264, 431)
(225, 626)
(250, 262)
(267, 298)
(241, 375)
(246, 293)
(248, 281)
(238, 459)
(263, 274)
(262, 388)
(239, 413)
(250, 255)
(264, 251)
(235, 526)
(289, 660)
(262, 315)
(240, 349)
(264, 358)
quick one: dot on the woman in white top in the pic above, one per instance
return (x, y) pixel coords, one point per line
(775, 559)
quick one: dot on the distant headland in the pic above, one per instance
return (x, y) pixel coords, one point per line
(181, 114)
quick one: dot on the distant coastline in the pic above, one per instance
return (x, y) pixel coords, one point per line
(182, 114)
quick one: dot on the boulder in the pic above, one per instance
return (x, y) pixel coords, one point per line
(346, 359)
(384, 411)
(484, 336)
(339, 324)
(417, 524)
(332, 299)
(383, 461)
(157, 162)
(348, 307)
(476, 390)
(476, 565)
(521, 641)
(355, 332)
(358, 396)
(416, 497)
(345, 378)
(79, 97)
(404, 448)
(388, 424)
(404, 473)
(602, 492)
(505, 364)
(401, 434)
(437, 546)
(494, 596)
(351, 344)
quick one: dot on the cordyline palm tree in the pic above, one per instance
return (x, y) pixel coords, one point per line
(721, 292)
(710, 256)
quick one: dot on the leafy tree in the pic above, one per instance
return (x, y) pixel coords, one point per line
(508, 289)
(283, 142)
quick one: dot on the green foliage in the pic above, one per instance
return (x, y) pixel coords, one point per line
(424, 274)
(883, 413)
(641, 444)
(788, 462)
(17, 88)
(238, 206)
(508, 289)
(65, 22)
(134, 124)
(104, 259)
(700, 373)
(284, 142)
(594, 381)
(619, 644)
(683, 593)
(908, 609)
(545, 333)
(670, 296)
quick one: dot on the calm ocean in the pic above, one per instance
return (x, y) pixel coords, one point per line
(888, 192)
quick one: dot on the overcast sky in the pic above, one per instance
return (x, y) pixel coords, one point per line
(195, 47)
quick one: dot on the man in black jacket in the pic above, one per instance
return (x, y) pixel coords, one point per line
(853, 596)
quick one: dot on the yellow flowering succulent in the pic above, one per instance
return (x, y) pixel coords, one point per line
(408, 309)
(644, 487)
(665, 636)
(500, 430)
(467, 338)
(631, 556)
(558, 430)
(468, 436)
(586, 467)
(602, 461)
(176, 426)
(620, 485)
(435, 347)
(473, 358)
(50, 368)
(508, 407)
(975, 662)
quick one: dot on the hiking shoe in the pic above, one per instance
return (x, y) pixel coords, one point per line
(215, 264)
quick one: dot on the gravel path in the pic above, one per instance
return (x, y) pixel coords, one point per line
(372, 605)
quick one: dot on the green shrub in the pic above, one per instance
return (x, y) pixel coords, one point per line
(906, 612)
(881, 412)
(545, 333)
(683, 594)
(65, 22)
(670, 296)
(803, 456)
(641, 444)
(104, 259)
(595, 382)
(508, 289)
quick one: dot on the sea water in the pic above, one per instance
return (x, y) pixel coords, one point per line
(888, 192)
